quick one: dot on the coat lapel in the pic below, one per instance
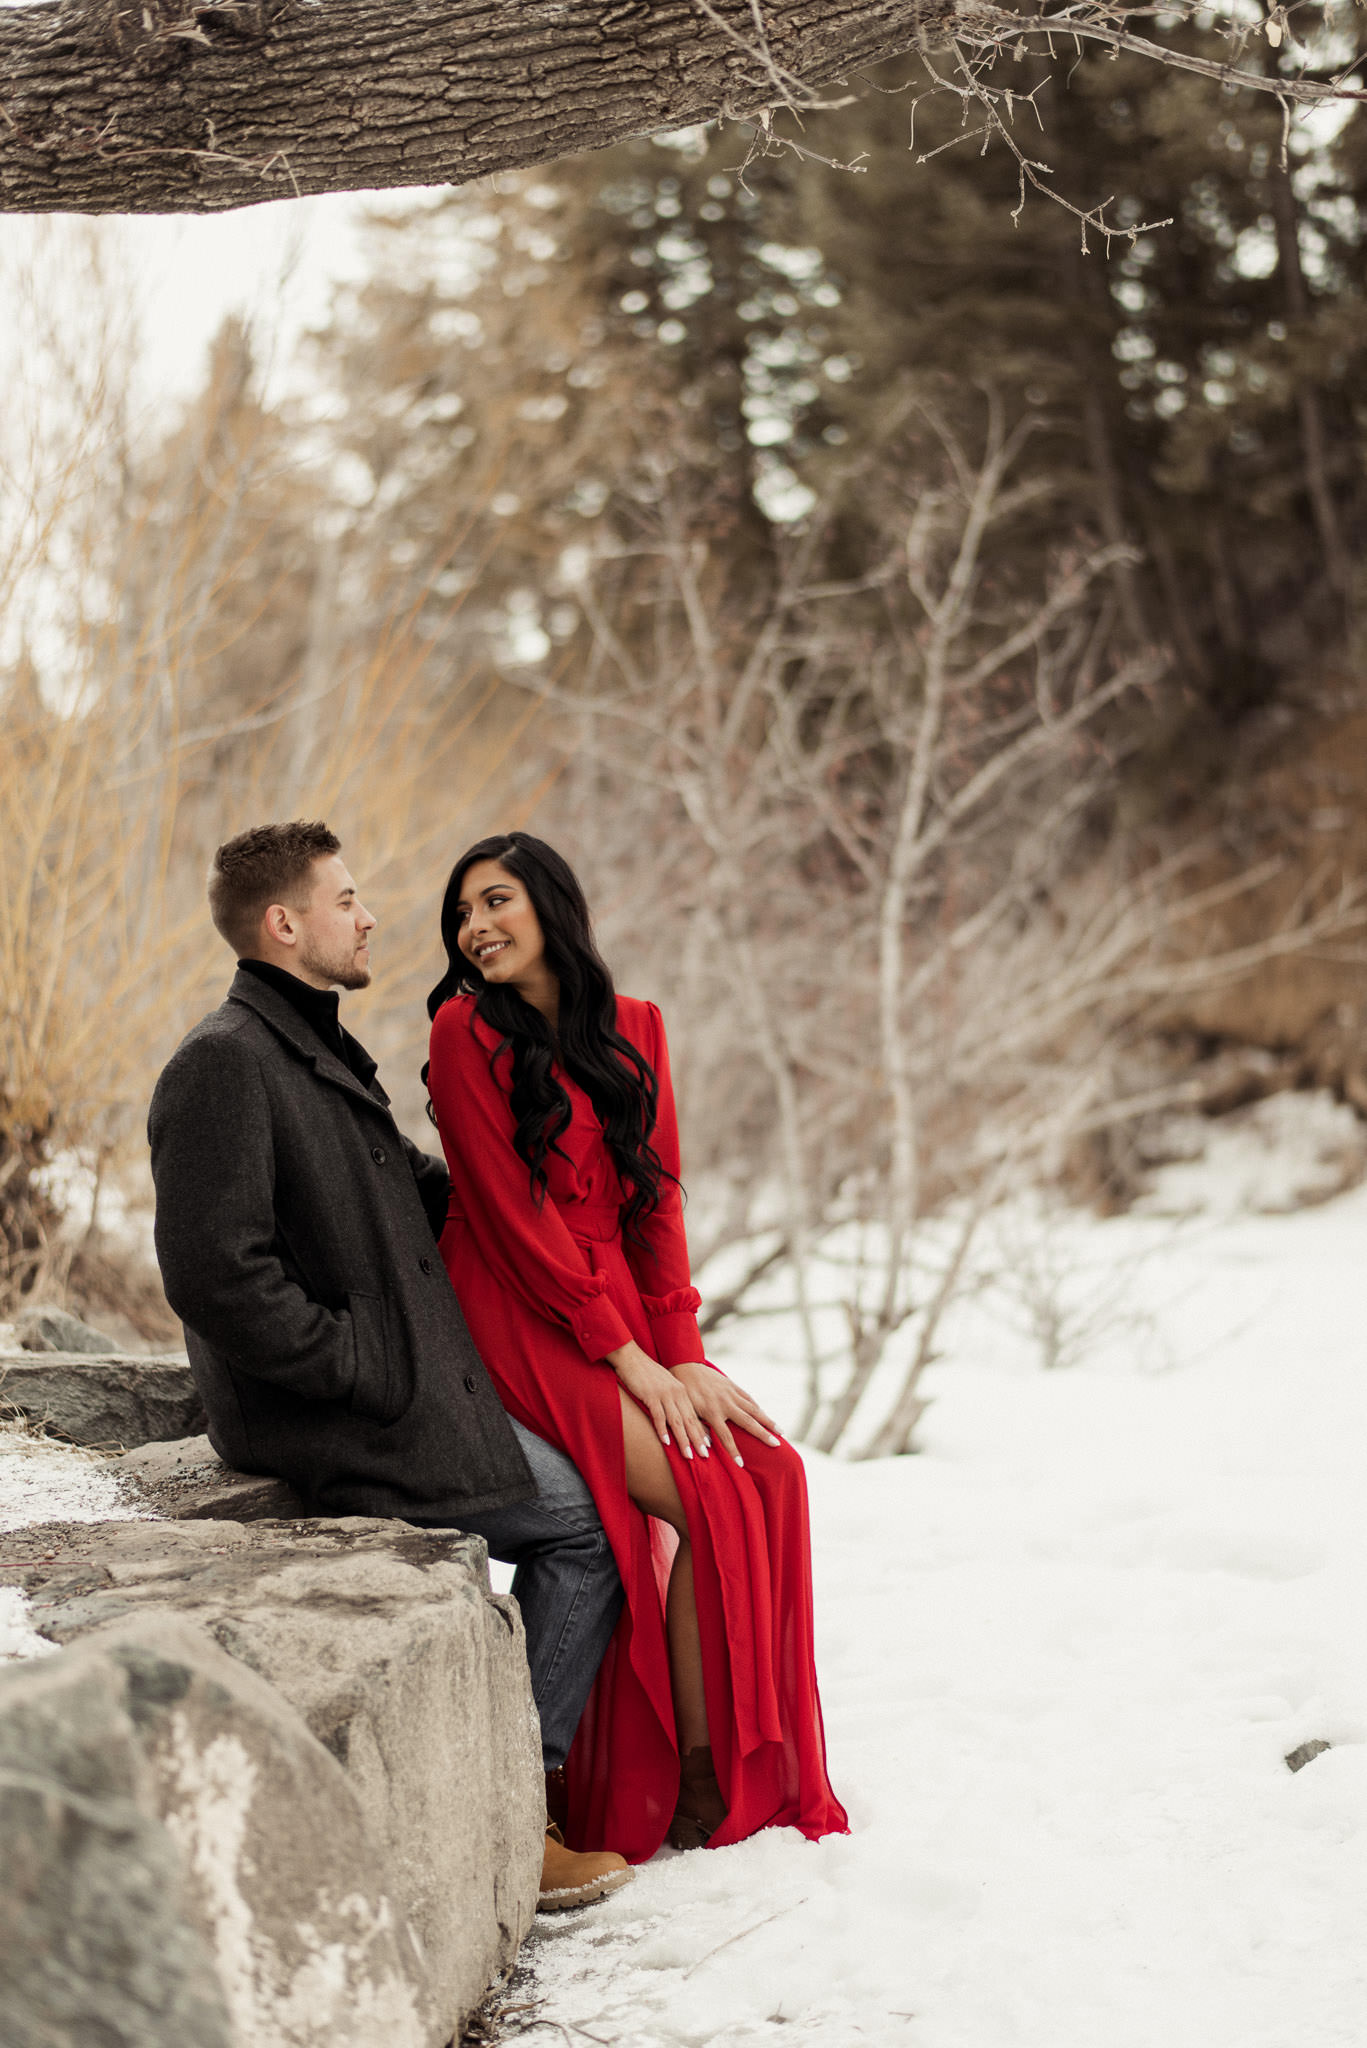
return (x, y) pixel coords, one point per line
(286, 1022)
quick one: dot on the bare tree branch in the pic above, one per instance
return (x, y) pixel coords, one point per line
(1093, 21)
(184, 106)
(169, 107)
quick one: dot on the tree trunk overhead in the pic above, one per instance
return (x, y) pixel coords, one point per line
(170, 106)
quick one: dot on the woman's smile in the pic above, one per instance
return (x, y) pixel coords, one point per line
(500, 935)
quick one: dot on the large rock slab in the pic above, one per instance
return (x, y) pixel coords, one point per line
(109, 1403)
(185, 1866)
(186, 1480)
(389, 1643)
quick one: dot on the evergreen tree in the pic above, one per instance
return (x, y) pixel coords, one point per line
(538, 371)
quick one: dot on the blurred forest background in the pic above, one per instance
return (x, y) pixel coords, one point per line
(938, 647)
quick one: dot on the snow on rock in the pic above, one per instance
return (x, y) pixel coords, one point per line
(18, 1638)
(42, 1480)
(1064, 1654)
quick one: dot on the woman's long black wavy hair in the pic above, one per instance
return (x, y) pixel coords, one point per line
(618, 1080)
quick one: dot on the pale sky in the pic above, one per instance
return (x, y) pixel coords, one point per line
(179, 274)
(275, 262)
(68, 284)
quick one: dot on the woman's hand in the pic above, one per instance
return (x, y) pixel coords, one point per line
(666, 1399)
(720, 1402)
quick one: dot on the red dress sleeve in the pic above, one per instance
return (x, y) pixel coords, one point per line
(660, 1266)
(526, 1248)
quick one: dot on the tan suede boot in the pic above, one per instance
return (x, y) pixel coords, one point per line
(571, 1879)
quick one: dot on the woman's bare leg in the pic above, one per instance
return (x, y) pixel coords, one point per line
(651, 1486)
(685, 1652)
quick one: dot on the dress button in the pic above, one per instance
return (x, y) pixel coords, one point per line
(426, 1265)
(470, 1383)
(377, 1153)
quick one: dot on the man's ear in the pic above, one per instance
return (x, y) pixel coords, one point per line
(279, 925)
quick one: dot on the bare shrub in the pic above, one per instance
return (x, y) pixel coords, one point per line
(907, 946)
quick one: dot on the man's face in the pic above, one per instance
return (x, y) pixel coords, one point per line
(332, 943)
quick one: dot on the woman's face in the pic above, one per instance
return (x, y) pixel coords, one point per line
(500, 933)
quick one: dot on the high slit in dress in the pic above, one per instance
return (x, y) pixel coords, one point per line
(547, 1291)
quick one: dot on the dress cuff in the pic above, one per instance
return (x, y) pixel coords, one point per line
(676, 1338)
(598, 1328)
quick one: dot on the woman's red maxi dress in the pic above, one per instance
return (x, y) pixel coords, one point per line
(547, 1291)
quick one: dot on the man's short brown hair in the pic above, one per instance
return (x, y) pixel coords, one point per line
(269, 864)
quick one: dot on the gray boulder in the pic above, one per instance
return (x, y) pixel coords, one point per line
(105, 1403)
(44, 1328)
(186, 1480)
(185, 1866)
(389, 1643)
(96, 1943)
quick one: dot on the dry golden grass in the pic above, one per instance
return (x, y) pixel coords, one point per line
(176, 669)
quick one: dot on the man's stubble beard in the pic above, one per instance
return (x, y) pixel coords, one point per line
(342, 972)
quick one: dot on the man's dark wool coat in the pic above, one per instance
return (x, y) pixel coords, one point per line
(296, 1230)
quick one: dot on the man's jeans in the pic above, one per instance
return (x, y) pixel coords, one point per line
(566, 1584)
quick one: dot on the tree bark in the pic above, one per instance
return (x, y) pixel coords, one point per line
(171, 106)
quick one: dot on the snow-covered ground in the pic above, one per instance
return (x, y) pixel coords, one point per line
(1064, 1654)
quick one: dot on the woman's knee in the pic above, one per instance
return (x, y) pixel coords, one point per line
(780, 1472)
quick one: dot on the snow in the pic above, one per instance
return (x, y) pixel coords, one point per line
(45, 1481)
(42, 1480)
(18, 1638)
(1274, 1156)
(1064, 1654)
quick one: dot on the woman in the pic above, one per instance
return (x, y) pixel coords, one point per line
(565, 1244)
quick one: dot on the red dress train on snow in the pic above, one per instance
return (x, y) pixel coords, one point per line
(547, 1291)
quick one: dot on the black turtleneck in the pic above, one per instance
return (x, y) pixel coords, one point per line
(318, 1007)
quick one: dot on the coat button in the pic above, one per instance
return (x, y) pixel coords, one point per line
(377, 1153)
(470, 1383)
(426, 1265)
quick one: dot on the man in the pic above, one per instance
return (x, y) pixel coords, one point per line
(296, 1231)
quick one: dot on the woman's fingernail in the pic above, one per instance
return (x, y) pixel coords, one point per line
(740, 1461)
(774, 1440)
(688, 1450)
(706, 1451)
(665, 1439)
